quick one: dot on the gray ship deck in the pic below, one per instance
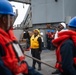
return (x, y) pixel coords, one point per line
(48, 57)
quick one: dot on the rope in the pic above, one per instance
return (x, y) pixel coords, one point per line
(39, 61)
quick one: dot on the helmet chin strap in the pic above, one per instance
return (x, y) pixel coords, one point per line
(8, 22)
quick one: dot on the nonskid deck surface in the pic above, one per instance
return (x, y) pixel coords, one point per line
(48, 57)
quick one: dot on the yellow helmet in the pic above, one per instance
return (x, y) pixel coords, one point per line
(37, 30)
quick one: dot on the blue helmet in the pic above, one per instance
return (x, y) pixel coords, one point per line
(72, 22)
(48, 30)
(6, 8)
(52, 30)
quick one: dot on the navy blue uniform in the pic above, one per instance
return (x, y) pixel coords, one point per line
(3, 69)
(68, 51)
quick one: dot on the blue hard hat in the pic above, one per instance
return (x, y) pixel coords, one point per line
(72, 22)
(6, 8)
(48, 30)
(52, 30)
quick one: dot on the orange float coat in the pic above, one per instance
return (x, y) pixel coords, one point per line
(63, 36)
(10, 59)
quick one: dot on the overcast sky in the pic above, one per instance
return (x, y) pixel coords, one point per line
(21, 11)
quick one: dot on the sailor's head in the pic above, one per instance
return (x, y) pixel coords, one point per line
(6, 15)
